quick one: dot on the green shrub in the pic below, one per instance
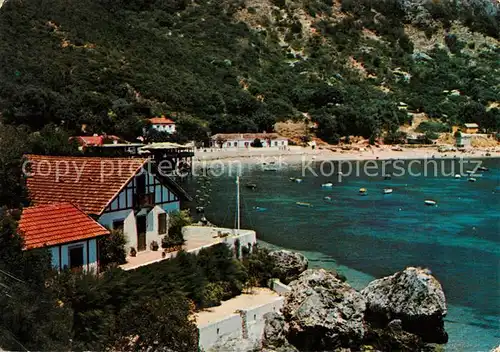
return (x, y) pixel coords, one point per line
(112, 249)
(432, 126)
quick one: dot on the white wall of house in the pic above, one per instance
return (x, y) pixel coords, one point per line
(60, 254)
(164, 128)
(246, 143)
(171, 203)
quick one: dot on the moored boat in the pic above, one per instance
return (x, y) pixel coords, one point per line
(458, 176)
(362, 190)
(430, 202)
(327, 198)
(387, 177)
(472, 179)
(251, 186)
(482, 168)
(304, 204)
(387, 190)
(327, 185)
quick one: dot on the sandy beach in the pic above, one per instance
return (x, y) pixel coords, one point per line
(295, 154)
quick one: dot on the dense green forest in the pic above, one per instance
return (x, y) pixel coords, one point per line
(236, 66)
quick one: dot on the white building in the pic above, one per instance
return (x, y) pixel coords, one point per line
(464, 140)
(162, 124)
(246, 140)
(67, 232)
(120, 193)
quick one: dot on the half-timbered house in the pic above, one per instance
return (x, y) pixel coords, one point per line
(120, 193)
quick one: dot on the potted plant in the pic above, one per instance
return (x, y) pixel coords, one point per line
(154, 246)
(133, 252)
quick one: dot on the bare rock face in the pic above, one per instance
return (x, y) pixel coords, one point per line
(274, 339)
(289, 265)
(323, 313)
(413, 296)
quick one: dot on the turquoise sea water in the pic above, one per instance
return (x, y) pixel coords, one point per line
(371, 236)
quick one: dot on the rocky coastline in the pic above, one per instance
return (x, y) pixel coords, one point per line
(404, 311)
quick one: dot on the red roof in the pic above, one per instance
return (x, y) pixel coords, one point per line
(48, 225)
(95, 140)
(161, 121)
(91, 183)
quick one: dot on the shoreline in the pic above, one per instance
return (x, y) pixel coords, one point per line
(298, 154)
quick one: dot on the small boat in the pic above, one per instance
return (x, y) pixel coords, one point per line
(387, 177)
(387, 190)
(260, 209)
(430, 202)
(362, 190)
(472, 179)
(458, 176)
(292, 179)
(327, 185)
(469, 171)
(251, 186)
(327, 198)
(482, 168)
(304, 204)
(298, 180)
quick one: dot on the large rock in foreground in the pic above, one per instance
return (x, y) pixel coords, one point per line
(415, 297)
(274, 339)
(289, 265)
(323, 313)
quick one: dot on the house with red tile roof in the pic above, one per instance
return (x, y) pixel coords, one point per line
(120, 193)
(70, 235)
(162, 124)
(96, 140)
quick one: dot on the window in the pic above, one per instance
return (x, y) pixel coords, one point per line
(141, 183)
(235, 144)
(162, 224)
(75, 257)
(118, 225)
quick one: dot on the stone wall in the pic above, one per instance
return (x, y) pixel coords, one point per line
(242, 331)
(279, 287)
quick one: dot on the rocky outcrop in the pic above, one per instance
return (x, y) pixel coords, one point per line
(496, 349)
(289, 265)
(323, 313)
(412, 296)
(274, 339)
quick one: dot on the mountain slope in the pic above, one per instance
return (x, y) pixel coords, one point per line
(243, 65)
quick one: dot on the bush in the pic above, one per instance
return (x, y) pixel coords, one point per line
(260, 266)
(397, 137)
(257, 143)
(432, 126)
(431, 135)
(112, 249)
(177, 220)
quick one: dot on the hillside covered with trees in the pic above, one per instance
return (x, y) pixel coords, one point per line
(242, 65)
